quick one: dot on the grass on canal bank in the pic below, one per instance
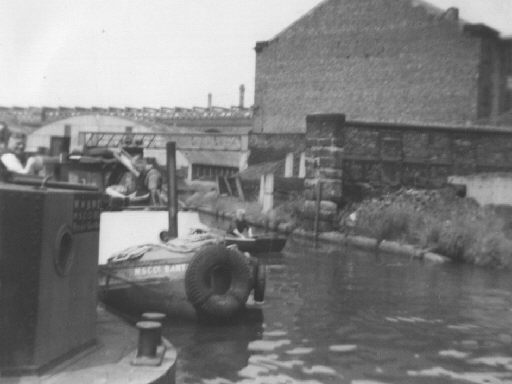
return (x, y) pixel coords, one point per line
(457, 228)
(437, 220)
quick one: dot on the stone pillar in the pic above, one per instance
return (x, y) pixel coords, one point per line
(324, 157)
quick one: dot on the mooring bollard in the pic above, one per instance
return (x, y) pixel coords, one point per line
(150, 336)
(155, 317)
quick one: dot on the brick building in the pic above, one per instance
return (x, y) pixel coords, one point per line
(382, 60)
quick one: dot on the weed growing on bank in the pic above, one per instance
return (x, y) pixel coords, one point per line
(440, 221)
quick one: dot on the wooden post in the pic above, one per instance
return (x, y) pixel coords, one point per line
(268, 197)
(217, 184)
(228, 186)
(172, 190)
(239, 188)
(262, 189)
(317, 210)
(302, 165)
(288, 166)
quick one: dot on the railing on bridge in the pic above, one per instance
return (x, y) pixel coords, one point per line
(184, 141)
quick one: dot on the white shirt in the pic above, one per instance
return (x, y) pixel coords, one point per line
(12, 163)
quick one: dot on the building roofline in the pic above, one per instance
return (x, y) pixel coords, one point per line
(156, 127)
(477, 29)
(260, 45)
(425, 127)
(481, 30)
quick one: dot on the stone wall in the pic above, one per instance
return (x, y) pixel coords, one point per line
(324, 170)
(378, 60)
(391, 155)
(342, 155)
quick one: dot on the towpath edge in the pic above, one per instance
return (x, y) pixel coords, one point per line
(361, 242)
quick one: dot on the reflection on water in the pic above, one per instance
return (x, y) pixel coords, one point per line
(340, 316)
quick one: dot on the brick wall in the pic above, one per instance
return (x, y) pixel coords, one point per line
(381, 60)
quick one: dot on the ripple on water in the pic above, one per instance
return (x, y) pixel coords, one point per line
(494, 361)
(263, 369)
(275, 333)
(266, 345)
(342, 348)
(453, 353)
(271, 379)
(272, 361)
(320, 369)
(412, 319)
(468, 344)
(462, 327)
(470, 377)
(217, 380)
(253, 371)
(299, 351)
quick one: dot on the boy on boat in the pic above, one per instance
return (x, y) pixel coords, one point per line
(239, 227)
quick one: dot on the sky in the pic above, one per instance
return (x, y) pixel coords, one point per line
(134, 53)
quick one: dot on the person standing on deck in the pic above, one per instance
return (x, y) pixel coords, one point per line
(149, 181)
(153, 182)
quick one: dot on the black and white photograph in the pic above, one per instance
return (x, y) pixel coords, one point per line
(256, 192)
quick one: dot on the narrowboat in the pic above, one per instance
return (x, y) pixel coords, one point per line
(193, 277)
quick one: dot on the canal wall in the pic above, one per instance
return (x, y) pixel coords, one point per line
(334, 237)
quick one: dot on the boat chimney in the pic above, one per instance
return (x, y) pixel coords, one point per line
(172, 190)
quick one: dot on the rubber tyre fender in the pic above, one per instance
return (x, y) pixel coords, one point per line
(202, 296)
(260, 281)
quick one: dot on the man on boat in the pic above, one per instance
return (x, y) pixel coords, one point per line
(239, 227)
(149, 180)
(12, 153)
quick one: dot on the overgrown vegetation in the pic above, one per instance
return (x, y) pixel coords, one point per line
(440, 221)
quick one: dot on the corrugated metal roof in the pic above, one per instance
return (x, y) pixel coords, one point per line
(220, 158)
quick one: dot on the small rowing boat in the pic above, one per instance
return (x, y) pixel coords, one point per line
(257, 244)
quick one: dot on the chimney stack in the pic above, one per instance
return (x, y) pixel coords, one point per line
(452, 14)
(209, 102)
(241, 97)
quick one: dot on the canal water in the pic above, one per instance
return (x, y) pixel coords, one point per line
(336, 315)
